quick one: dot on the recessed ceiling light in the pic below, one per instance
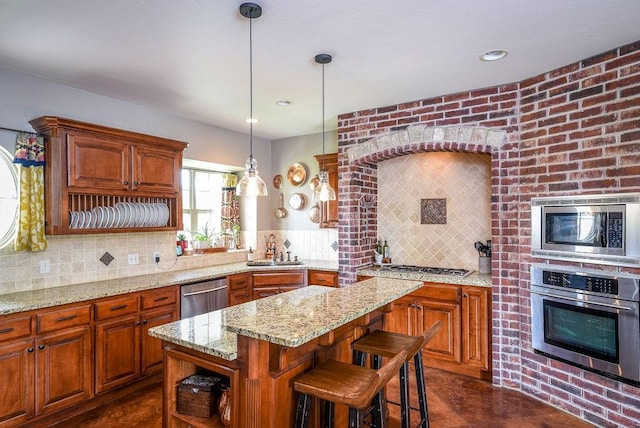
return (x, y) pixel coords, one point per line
(251, 120)
(493, 55)
(284, 102)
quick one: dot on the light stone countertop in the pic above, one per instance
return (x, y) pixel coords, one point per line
(474, 278)
(48, 297)
(289, 319)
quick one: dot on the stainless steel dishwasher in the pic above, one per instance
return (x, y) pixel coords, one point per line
(202, 297)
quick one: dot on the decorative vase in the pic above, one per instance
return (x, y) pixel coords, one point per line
(484, 264)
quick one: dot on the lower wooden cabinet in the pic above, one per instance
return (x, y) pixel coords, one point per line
(268, 283)
(462, 344)
(323, 277)
(49, 365)
(238, 288)
(124, 350)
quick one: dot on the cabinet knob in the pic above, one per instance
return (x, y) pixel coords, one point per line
(125, 183)
(137, 322)
(465, 295)
(144, 321)
(41, 347)
(135, 183)
(29, 349)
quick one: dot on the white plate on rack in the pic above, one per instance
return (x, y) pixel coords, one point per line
(164, 218)
(73, 219)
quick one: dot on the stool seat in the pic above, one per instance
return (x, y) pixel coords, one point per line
(344, 383)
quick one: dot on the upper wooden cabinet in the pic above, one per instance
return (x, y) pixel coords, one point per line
(329, 210)
(104, 180)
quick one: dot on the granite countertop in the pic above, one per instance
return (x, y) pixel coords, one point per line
(289, 319)
(48, 297)
(474, 278)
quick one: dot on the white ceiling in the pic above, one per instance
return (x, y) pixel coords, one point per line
(191, 57)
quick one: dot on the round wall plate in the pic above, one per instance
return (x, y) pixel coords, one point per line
(297, 201)
(297, 174)
(277, 181)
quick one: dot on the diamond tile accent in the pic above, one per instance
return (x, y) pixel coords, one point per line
(335, 245)
(286, 244)
(107, 258)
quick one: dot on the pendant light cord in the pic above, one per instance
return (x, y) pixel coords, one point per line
(323, 156)
(250, 89)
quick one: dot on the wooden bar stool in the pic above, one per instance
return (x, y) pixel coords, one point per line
(386, 344)
(348, 384)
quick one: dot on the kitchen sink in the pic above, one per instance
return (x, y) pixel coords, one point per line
(276, 263)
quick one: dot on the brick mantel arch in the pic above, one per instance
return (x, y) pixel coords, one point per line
(358, 177)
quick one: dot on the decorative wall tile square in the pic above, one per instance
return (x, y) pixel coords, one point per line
(433, 211)
(106, 258)
(286, 244)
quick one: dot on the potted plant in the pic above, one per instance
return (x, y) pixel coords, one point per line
(203, 238)
(182, 241)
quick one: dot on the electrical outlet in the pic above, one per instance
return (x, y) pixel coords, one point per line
(133, 259)
(45, 266)
(156, 256)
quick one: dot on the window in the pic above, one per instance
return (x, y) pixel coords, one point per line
(201, 200)
(8, 198)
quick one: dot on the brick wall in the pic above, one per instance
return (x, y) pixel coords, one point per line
(569, 131)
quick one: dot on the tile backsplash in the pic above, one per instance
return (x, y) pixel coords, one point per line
(76, 259)
(463, 180)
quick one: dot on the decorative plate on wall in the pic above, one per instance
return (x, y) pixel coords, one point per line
(313, 183)
(277, 181)
(297, 201)
(297, 174)
(314, 213)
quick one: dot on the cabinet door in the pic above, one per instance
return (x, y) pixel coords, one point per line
(238, 296)
(151, 347)
(117, 352)
(97, 163)
(261, 292)
(64, 369)
(17, 382)
(402, 317)
(329, 210)
(156, 170)
(475, 326)
(279, 278)
(446, 345)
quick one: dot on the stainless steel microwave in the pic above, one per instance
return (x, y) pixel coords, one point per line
(602, 229)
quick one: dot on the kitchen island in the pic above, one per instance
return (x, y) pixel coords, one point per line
(261, 346)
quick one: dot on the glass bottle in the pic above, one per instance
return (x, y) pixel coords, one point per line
(250, 255)
(385, 250)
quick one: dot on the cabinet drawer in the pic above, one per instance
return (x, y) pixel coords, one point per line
(437, 291)
(278, 278)
(238, 282)
(317, 277)
(16, 327)
(63, 318)
(116, 306)
(156, 298)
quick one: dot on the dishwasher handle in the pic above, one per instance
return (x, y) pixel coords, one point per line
(208, 290)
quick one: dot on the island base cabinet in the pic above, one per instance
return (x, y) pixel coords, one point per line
(180, 364)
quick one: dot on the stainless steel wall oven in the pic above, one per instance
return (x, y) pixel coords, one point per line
(587, 318)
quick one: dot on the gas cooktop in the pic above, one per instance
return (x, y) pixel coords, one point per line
(425, 269)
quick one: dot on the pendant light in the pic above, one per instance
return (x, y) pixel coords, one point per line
(251, 184)
(323, 191)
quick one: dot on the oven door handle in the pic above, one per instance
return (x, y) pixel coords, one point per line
(606, 305)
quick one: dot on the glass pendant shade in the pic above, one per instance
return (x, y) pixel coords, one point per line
(323, 191)
(251, 184)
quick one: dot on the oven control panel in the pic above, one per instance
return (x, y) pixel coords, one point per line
(581, 282)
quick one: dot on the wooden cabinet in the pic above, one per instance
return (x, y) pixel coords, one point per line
(46, 363)
(269, 283)
(323, 277)
(462, 344)
(124, 350)
(238, 288)
(93, 172)
(329, 209)
(476, 326)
